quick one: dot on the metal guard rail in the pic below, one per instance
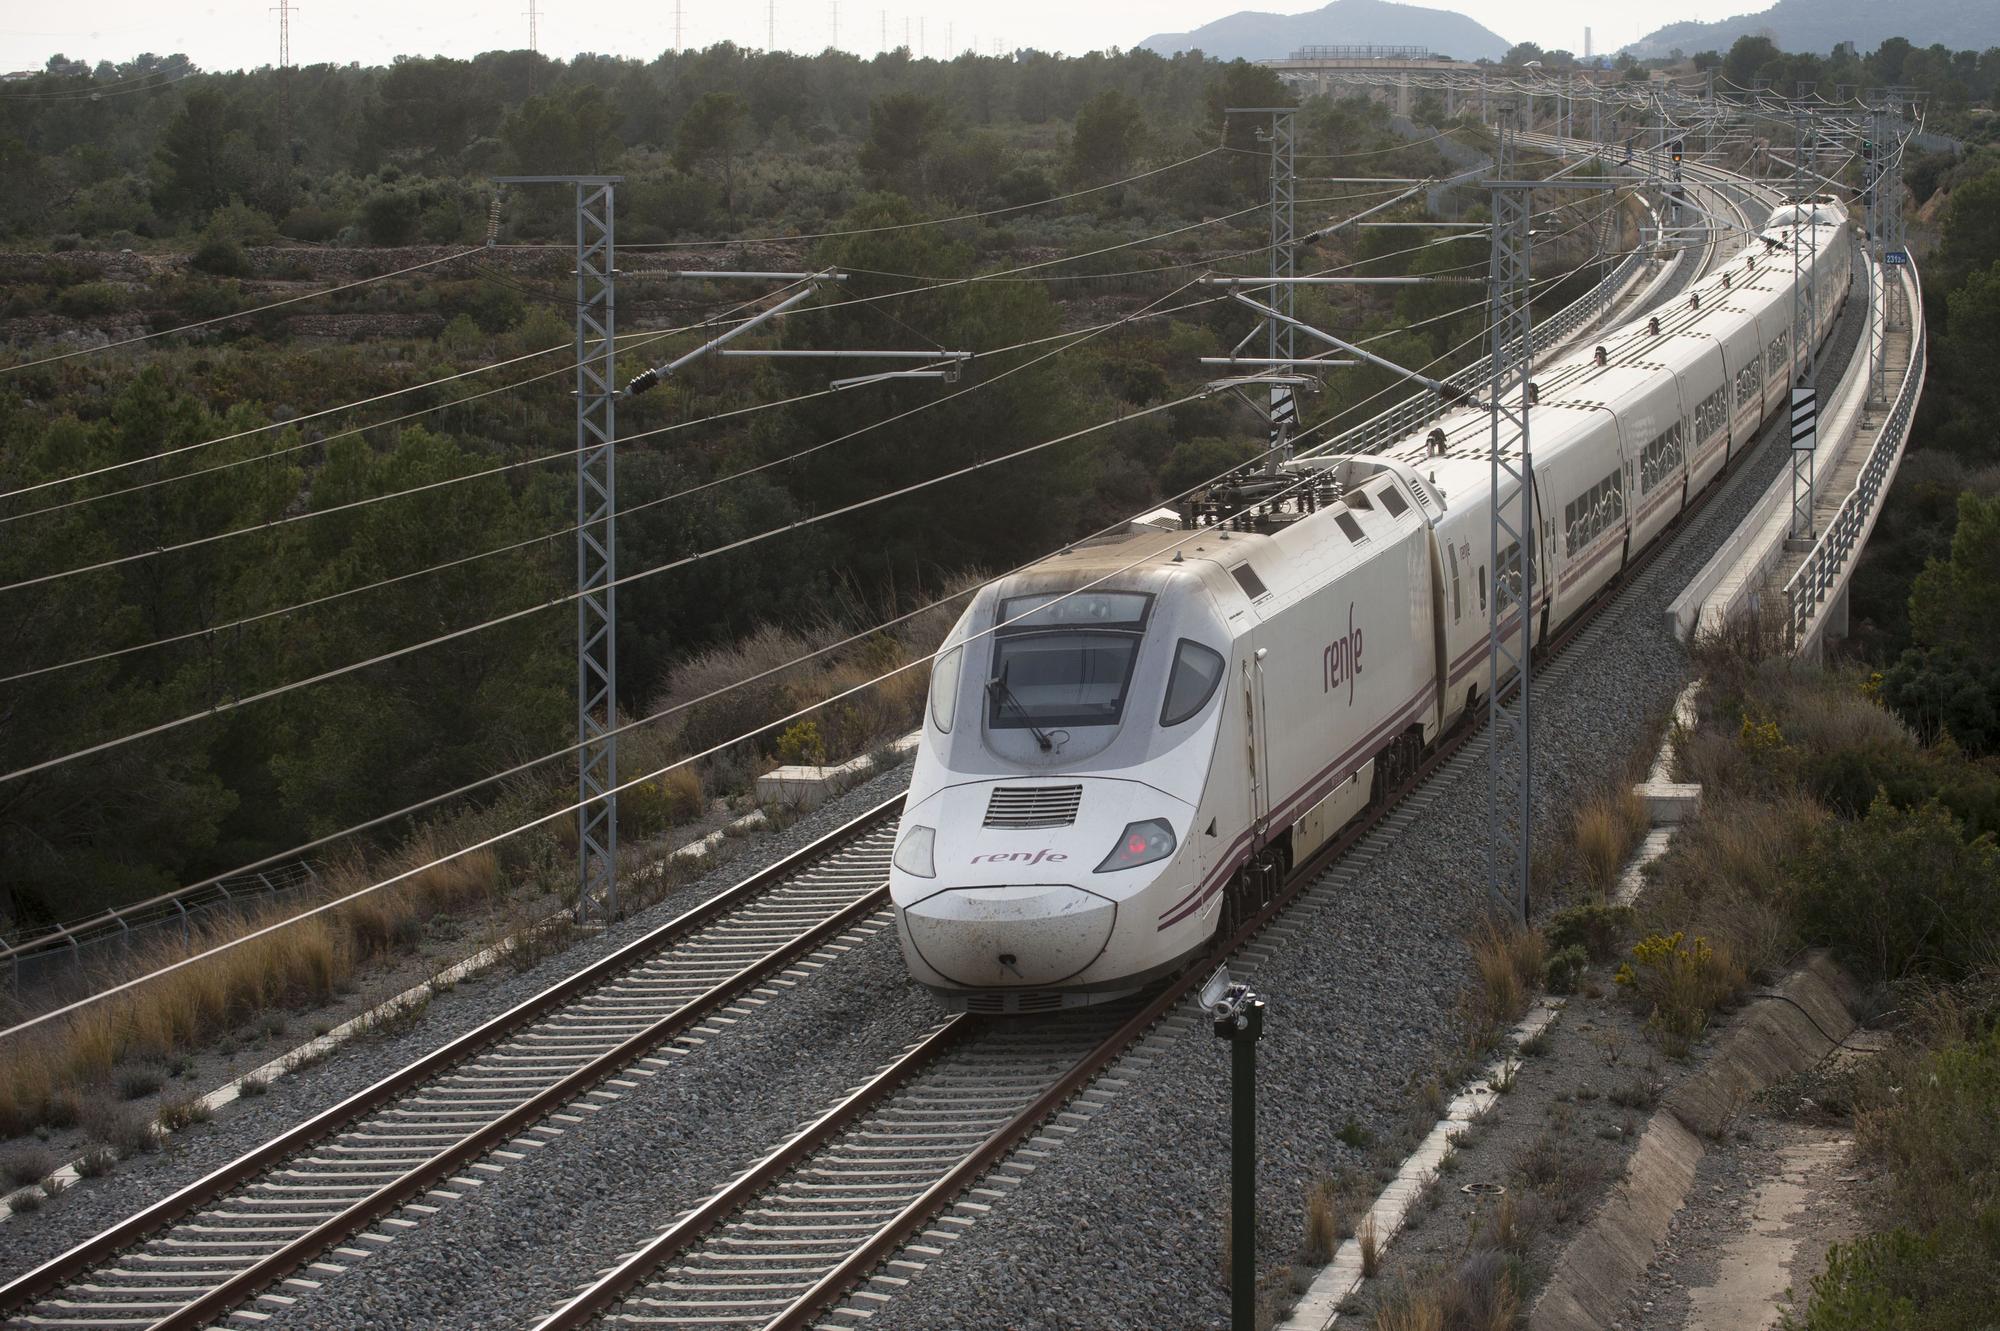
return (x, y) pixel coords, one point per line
(1821, 572)
(180, 906)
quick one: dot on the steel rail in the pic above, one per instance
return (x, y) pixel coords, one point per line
(53, 1274)
(808, 1307)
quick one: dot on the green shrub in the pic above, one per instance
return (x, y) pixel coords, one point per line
(1597, 930)
(802, 745)
(1943, 1280)
(314, 224)
(1901, 892)
(653, 807)
(1564, 968)
(222, 256)
(1680, 985)
(390, 217)
(1947, 692)
(92, 300)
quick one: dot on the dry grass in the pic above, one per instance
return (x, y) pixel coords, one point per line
(96, 1162)
(45, 1079)
(1509, 960)
(1608, 827)
(27, 1164)
(1562, 1171)
(1320, 1223)
(1371, 1247)
(181, 1111)
(1729, 876)
(1480, 1293)
(1414, 1310)
(870, 716)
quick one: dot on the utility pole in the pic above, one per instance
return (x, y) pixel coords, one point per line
(596, 540)
(284, 10)
(534, 44)
(770, 25)
(678, 46)
(833, 43)
(1511, 530)
(1280, 342)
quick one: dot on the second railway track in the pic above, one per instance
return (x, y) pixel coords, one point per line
(262, 1226)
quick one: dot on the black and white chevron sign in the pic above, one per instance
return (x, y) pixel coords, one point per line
(1805, 419)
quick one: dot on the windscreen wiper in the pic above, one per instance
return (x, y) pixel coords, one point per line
(997, 688)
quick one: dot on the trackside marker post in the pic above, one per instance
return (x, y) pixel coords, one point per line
(1238, 1015)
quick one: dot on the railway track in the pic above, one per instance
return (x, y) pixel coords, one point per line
(788, 1239)
(301, 1205)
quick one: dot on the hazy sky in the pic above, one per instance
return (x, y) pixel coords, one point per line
(227, 34)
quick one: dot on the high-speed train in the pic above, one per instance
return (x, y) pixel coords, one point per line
(1132, 742)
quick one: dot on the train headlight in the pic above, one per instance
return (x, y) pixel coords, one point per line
(1140, 843)
(917, 854)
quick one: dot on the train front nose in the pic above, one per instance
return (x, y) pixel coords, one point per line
(996, 937)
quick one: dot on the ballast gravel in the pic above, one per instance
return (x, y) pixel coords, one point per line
(90, 1206)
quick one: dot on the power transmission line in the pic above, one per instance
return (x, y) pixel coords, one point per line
(310, 514)
(545, 537)
(901, 226)
(935, 284)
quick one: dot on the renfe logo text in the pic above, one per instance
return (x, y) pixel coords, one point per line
(1341, 661)
(1021, 857)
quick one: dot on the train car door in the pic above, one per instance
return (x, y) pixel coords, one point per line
(1256, 733)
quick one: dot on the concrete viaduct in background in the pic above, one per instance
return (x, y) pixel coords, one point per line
(1331, 69)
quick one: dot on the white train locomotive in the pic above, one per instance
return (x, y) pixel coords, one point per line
(1131, 742)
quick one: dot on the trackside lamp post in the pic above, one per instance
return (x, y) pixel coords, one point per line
(1238, 1015)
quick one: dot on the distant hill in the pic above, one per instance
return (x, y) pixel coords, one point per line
(1250, 35)
(1819, 25)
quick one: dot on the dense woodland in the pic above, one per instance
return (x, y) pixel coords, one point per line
(231, 190)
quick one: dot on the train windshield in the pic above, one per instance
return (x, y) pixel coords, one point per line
(1064, 660)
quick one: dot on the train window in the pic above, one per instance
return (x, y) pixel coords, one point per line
(944, 688)
(1246, 578)
(1197, 670)
(1063, 678)
(1094, 609)
(1482, 589)
(1359, 499)
(1507, 579)
(1394, 503)
(1452, 552)
(1350, 526)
